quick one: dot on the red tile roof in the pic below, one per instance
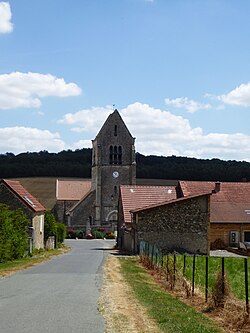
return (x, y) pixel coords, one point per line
(72, 189)
(165, 203)
(230, 204)
(24, 195)
(135, 197)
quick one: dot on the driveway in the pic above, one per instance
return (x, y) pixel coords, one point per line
(60, 295)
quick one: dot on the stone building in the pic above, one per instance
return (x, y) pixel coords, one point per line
(13, 194)
(113, 164)
(229, 210)
(180, 225)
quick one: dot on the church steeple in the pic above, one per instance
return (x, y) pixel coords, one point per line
(113, 164)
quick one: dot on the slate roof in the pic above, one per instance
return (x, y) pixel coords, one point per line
(230, 204)
(24, 195)
(72, 189)
(135, 197)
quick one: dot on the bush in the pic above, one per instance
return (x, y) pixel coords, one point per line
(98, 234)
(53, 228)
(49, 225)
(13, 233)
(60, 232)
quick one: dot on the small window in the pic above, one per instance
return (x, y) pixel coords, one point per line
(115, 130)
(247, 236)
(115, 190)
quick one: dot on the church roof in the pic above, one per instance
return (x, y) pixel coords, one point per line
(135, 197)
(113, 117)
(72, 189)
(28, 199)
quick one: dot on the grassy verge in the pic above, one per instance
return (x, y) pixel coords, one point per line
(10, 267)
(170, 314)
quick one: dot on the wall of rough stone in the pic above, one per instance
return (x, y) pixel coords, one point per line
(79, 217)
(60, 209)
(13, 201)
(181, 226)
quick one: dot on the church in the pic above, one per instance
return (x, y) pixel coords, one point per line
(94, 203)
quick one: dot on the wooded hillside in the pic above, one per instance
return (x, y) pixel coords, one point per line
(78, 164)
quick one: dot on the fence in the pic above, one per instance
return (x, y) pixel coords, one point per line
(203, 272)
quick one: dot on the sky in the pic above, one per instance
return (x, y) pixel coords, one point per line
(178, 71)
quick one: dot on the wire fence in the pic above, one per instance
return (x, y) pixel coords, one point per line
(215, 277)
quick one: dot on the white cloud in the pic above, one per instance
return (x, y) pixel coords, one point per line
(189, 105)
(159, 132)
(5, 18)
(87, 120)
(22, 139)
(19, 90)
(238, 96)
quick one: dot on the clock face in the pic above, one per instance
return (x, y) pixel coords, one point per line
(115, 174)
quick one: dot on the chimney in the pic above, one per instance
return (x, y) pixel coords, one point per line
(216, 188)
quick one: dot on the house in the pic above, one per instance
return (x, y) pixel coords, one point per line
(229, 209)
(135, 197)
(155, 214)
(16, 196)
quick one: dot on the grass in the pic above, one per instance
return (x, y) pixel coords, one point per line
(172, 315)
(234, 269)
(10, 267)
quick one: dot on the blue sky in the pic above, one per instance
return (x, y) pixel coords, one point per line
(178, 72)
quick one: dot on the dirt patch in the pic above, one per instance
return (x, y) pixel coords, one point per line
(120, 309)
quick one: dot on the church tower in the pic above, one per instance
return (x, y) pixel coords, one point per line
(113, 164)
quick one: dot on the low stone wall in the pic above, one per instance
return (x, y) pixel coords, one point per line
(50, 244)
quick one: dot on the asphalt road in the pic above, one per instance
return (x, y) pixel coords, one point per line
(60, 295)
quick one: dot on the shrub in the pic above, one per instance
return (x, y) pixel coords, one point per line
(13, 233)
(60, 232)
(49, 225)
(98, 234)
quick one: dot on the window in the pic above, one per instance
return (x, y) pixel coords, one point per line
(247, 236)
(111, 154)
(115, 130)
(115, 190)
(115, 155)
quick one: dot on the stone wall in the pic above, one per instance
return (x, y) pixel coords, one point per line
(182, 226)
(13, 201)
(36, 219)
(60, 209)
(80, 216)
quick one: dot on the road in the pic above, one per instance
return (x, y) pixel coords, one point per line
(60, 295)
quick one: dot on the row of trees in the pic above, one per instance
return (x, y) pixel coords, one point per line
(14, 232)
(78, 164)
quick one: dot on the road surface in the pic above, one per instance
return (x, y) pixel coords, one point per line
(60, 295)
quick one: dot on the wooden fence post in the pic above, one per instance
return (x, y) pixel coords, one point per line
(223, 275)
(193, 277)
(206, 287)
(246, 285)
(174, 267)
